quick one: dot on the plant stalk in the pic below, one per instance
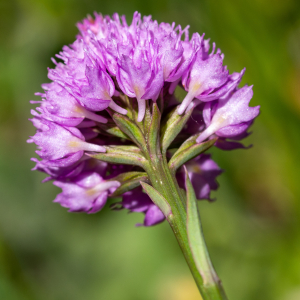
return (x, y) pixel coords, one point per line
(166, 184)
(165, 189)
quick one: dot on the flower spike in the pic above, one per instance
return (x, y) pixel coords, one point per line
(109, 124)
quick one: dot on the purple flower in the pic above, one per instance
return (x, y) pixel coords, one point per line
(86, 193)
(203, 79)
(137, 201)
(84, 76)
(223, 92)
(228, 138)
(84, 164)
(97, 94)
(62, 108)
(202, 172)
(141, 56)
(58, 145)
(230, 116)
(140, 79)
(171, 52)
(59, 173)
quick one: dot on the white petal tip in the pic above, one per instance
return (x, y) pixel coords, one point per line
(142, 110)
(140, 118)
(185, 103)
(181, 109)
(122, 111)
(117, 108)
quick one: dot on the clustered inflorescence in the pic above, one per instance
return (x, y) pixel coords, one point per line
(143, 62)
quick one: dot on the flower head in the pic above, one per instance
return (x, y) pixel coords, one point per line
(117, 68)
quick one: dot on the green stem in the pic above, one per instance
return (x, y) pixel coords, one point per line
(166, 184)
(152, 158)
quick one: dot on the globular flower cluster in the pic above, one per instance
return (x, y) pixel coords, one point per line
(144, 60)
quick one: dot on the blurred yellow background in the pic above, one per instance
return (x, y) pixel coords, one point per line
(252, 230)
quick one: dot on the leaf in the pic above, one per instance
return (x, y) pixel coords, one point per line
(111, 129)
(172, 126)
(128, 148)
(187, 143)
(161, 102)
(181, 157)
(157, 199)
(131, 129)
(196, 238)
(154, 129)
(129, 181)
(147, 119)
(118, 155)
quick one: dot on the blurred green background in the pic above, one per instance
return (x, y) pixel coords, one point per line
(252, 230)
